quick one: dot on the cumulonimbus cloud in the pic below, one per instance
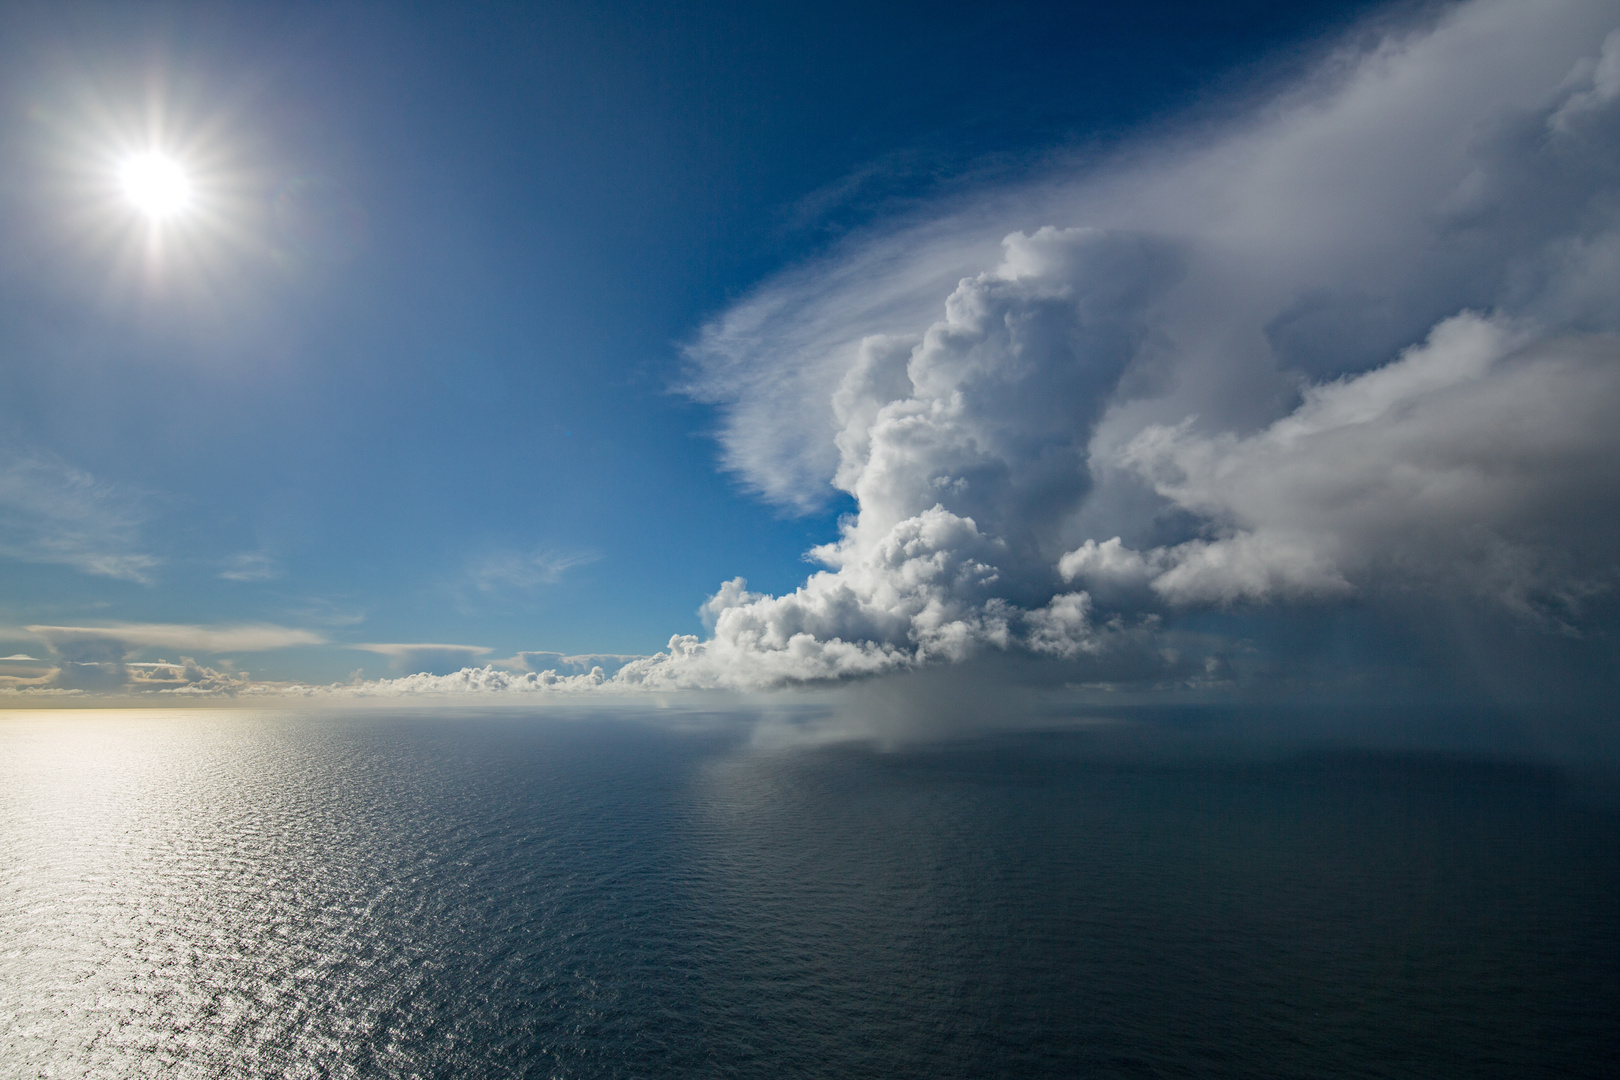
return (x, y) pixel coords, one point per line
(1363, 338)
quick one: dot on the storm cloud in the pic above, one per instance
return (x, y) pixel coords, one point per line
(1359, 342)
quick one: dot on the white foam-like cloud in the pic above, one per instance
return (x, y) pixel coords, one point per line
(965, 448)
(470, 681)
(564, 664)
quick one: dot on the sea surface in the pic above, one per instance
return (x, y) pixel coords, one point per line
(214, 894)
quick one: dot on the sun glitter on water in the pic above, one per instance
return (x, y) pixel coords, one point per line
(156, 185)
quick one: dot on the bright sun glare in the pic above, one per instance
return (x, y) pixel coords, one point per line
(156, 185)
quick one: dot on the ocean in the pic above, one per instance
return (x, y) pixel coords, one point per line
(508, 894)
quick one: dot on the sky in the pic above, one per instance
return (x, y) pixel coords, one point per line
(1259, 352)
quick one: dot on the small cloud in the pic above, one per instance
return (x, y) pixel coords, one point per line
(251, 566)
(511, 570)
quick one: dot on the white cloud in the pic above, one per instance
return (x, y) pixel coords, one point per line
(508, 570)
(1479, 461)
(964, 446)
(53, 513)
(242, 637)
(469, 681)
(1341, 201)
(251, 566)
(1132, 364)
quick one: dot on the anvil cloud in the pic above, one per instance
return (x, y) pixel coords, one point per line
(1360, 342)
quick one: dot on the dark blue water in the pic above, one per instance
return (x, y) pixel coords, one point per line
(232, 895)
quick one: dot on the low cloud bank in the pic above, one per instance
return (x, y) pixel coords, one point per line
(102, 659)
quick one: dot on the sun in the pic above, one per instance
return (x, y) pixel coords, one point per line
(156, 185)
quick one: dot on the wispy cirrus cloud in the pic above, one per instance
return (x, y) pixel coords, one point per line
(51, 512)
(240, 637)
(251, 566)
(523, 571)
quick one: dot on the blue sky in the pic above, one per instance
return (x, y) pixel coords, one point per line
(523, 329)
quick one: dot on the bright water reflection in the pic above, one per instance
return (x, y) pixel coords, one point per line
(235, 895)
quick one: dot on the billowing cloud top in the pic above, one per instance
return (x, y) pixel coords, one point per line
(1358, 344)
